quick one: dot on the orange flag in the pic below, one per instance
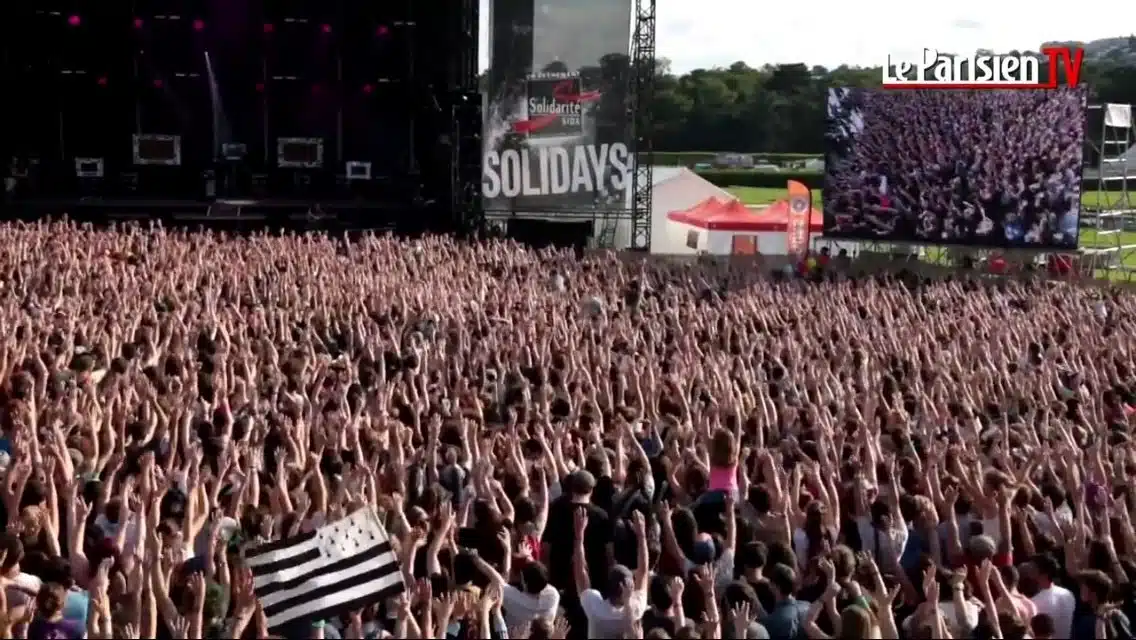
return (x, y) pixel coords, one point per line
(800, 217)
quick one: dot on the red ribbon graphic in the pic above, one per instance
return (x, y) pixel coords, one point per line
(564, 92)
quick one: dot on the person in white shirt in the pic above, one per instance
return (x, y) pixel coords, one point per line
(883, 535)
(1054, 601)
(535, 599)
(624, 601)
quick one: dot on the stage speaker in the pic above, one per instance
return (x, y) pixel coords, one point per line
(89, 167)
(358, 171)
(157, 149)
(299, 153)
(234, 151)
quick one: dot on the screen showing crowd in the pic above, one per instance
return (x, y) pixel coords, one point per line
(988, 167)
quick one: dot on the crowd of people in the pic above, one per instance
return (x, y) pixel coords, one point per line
(968, 167)
(559, 447)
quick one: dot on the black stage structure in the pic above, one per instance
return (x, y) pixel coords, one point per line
(291, 113)
(643, 97)
(567, 138)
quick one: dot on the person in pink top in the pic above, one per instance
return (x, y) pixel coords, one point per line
(724, 462)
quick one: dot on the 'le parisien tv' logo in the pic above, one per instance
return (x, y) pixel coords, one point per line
(984, 71)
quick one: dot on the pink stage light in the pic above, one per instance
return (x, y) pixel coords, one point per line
(260, 87)
(326, 28)
(102, 81)
(74, 20)
(269, 27)
(316, 89)
(158, 84)
(368, 89)
(138, 23)
(198, 25)
(382, 31)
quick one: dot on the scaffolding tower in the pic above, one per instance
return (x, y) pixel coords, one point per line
(643, 98)
(1109, 241)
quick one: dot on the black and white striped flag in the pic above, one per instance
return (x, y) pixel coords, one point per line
(339, 567)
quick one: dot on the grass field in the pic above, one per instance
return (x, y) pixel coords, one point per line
(1089, 238)
(767, 195)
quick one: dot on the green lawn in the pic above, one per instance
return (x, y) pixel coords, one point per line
(766, 195)
(1088, 238)
(1127, 258)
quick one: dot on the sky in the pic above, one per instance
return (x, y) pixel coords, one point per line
(707, 33)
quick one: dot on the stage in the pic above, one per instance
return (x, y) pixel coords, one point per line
(303, 114)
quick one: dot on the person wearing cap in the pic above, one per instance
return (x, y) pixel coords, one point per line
(557, 538)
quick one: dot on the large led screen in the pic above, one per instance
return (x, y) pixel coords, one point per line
(997, 168)
(558, 127)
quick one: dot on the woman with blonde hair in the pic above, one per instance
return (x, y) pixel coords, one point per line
(858, 622)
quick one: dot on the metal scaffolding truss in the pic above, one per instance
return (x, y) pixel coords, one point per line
(1109, 219)
(1112, 148)
(642, 100)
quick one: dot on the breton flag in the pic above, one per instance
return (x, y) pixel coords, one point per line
(339, 567)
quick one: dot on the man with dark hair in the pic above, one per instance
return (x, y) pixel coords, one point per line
(739, 593)
(1099, 619)
(1023, 606)
(536, 597)
(787, 618)
(1052, 599)
(49, 623)
(1041, 627)
(748, 566)
(21, 587)
(664, 595)
(558, 537)
(559, 541)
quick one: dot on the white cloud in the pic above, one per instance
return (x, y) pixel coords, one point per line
(709, 33)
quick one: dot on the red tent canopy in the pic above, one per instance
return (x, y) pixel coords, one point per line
(731, 215)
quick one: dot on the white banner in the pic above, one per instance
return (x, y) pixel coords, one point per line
(1118, 115)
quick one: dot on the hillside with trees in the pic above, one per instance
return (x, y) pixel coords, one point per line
(780, 109)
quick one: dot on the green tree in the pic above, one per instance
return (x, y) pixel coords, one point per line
(780, 108)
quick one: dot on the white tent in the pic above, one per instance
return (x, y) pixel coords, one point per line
(672, 189)
(717, 227)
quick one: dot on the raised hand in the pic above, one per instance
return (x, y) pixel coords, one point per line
(639, 525)
(741, 616)
(580, 523)
(930, 585)
(560, 628)
(444, 605)
(179, 628)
